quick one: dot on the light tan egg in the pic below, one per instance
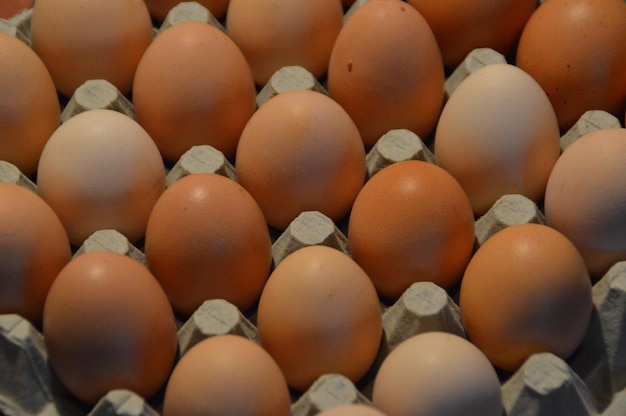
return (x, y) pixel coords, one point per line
(437, 373)
(101, 170)
(586, 198)
(498, 134)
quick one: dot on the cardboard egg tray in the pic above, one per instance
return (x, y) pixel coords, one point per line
(591, 382)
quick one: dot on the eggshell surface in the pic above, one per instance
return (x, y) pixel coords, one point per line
(101, 170)
(9, 8)
(318, 314)
(79, 41)
(277, 33)
(386, 70)
(411, 222)
(107, 324)
(498, 134)
(193, 86)
(301, 152)
(30, 105)
(33, 249)
(461, 26)
(207, 238)
(227, 375)
(526, 290)
(575, 51)
(437, 373)
(586, 198)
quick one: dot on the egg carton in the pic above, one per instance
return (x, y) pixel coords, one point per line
(590, 382)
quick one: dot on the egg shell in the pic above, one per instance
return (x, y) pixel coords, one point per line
(182, 98)
(226, 375)
(301, 152)
(10, 8)
(30, 106)
(101, 170)
(386, 70)
(318, 314)
(30, 262)
(81, 41)
(575, 51)
(277, 33)
(207, 238)
(498, 134)
(436, 373)
(461, 26)
(586, 197)
(526, 290)
(108, 324)
(411, 222)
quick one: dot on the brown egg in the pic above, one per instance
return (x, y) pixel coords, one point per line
(30, 105)
(498, 135)
(277, 33)
(437, 373)
(9, 8)
(386, 70)
(411, 222)
(526, 290)
(107, 324)
(101, 170)
(227, 375)
(301, 152)
(207, 239)
(461, 26)
(99, 39)
(33, 250)
(575, 51)
(160, 8)
(193, 86)
(319, 314)
(586, 198)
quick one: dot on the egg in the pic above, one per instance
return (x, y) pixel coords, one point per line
(575, 51)
(386, 70)
(207, 238)
(586, 198)
(411, 222)
(352, 410)
(526, 290)
(318, 314)
(276, 33)
(437, 373)
(9, 8)
(193, 86)
(160, 8)
(107, 325)
(30, 263)
(101, 170)
(100, 39)
(227, 375)
(462, 26)
(498, 134)
(301, 152)
(30, 106)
